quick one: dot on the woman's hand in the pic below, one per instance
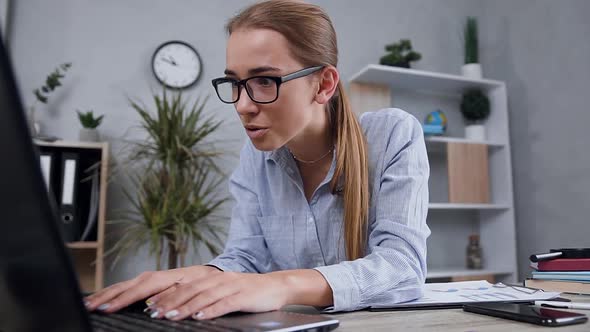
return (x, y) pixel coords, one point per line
(120, 295)
(206, 298)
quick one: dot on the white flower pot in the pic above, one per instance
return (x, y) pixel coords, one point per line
(88, 135)
(471, 70)
(475, 132)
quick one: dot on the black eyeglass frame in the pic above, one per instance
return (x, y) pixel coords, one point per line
(277, 79)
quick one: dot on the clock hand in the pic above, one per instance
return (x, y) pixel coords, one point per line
(172, 59)
(172, 62)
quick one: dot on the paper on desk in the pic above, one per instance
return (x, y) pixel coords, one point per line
(471, 292)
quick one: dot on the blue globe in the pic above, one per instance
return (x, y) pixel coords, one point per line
(435, 123)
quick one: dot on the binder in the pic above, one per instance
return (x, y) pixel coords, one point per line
(69, 218)
(47, 168)
(92, 210)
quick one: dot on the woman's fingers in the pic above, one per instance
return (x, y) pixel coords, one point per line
(224, 306)
(203, 300)
(100, 299)
(183, 293)
(123, 294)
(151, 301)
(207, 298)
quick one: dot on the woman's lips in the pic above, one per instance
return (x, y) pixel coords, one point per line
(256, 132)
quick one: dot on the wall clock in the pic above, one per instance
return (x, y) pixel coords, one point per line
(176, 64)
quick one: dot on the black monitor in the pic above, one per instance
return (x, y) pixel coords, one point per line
(38, 286)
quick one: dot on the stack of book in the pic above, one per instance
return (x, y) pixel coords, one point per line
(569, 275)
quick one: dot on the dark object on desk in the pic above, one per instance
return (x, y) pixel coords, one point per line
(561, 253)
(527, 313)
(38, 288)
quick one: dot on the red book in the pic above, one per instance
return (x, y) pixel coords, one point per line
(563, 264)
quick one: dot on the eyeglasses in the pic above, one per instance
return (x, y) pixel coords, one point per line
(261, 89)
(522, 289)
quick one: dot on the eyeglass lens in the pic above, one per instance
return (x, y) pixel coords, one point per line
(260, 89)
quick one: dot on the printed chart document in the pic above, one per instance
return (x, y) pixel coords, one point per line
(455, 294)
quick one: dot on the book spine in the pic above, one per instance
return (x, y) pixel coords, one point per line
(582, 264)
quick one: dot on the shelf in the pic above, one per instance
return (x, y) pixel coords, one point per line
(467, 206)
(419, 80)
(83, 245)
(436, 140)
(462, 272)
(72, 144)
(462, 170)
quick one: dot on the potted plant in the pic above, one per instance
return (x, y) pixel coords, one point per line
(88, 132)
(475, 107)
(471, 68)
(174, 199)
(400, 54)
(52, 82)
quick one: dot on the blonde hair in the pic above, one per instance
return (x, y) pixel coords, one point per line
(312, 41)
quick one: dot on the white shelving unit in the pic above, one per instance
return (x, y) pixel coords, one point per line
(420, 92)
(464, 206)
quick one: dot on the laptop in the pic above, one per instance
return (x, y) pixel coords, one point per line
(38, 286)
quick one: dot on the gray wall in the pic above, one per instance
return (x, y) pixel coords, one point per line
(542, 50)
(530, 44)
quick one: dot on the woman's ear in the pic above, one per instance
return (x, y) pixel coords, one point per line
(328, 83)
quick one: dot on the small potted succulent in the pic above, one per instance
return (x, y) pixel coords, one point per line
(471, 68)
(88, 132)
(475, 107)
(400, 54)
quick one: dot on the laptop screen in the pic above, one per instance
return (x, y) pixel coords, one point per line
(38, 289)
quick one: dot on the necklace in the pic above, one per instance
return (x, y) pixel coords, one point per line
(312, 161)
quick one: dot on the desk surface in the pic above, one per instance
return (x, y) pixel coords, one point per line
(444, 320)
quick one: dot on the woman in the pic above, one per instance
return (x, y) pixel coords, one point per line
(331, 212)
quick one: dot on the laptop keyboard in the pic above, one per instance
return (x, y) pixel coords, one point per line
(132, 321)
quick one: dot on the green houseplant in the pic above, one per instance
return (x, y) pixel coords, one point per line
(475, 107)
(174, 198)
(52, 82)
(400, 54)
(471, 68)
(89, 125)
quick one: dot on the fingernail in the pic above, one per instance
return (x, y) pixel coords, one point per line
(198, 315)
(104, 306)
(86, 303)
(154, 314)
(171, 314)
(148, 310)
(149, 302)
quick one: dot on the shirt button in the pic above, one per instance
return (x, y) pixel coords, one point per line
(310, 220)
(290, 170)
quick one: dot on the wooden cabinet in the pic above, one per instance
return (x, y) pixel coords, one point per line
(93, 160)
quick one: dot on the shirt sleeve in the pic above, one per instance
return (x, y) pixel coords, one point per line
(245, 249)
(395, 268)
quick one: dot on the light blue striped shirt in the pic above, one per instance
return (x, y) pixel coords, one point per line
(274, 227)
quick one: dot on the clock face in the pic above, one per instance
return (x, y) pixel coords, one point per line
(176, 64)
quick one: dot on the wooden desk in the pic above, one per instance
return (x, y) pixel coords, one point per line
(444, 320)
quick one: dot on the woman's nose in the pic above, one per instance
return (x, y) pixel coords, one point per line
(245, 105)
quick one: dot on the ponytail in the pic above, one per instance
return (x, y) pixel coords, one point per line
(352, 167)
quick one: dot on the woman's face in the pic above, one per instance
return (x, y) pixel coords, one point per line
(254, 52)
